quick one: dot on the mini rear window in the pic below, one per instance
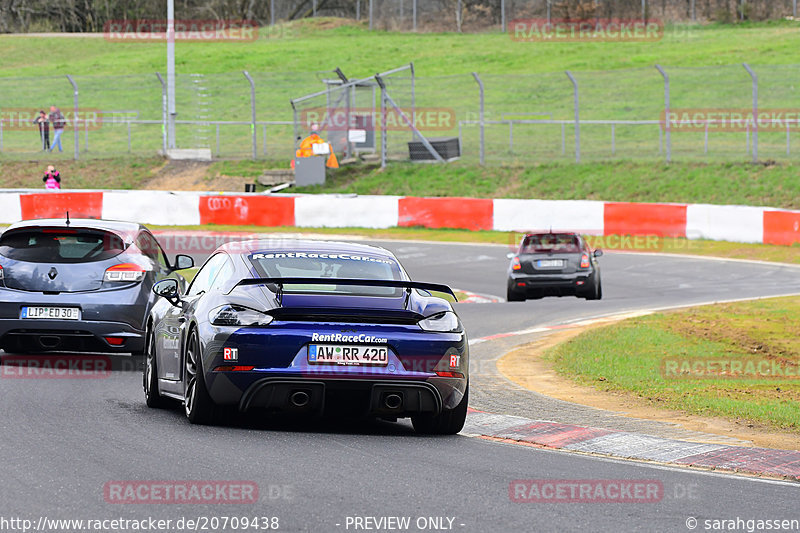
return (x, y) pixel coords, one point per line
(550, 243)
(45, 245)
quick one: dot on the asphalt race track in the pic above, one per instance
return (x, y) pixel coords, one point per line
(65, 440)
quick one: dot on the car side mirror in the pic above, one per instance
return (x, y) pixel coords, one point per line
(183, 261)
(510, 255)
(598, 252)
(168, 289)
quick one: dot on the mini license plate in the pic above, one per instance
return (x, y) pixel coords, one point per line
(53, 313)
(549, 263)
(348, 354)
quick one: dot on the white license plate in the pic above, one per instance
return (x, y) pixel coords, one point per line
(348, 354)
(54, 313)
(549, 263)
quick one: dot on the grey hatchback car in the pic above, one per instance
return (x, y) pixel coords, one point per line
(81, 285)
(554, 264)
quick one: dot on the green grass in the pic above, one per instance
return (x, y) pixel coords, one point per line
(113, 173)
(631, 357)
(520, 78)
(775, 185)
(297, 46)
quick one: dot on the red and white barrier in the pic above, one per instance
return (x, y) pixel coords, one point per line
(694, 221)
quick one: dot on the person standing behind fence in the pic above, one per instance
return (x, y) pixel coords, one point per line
(44, 129)
(307, 148)
(59, 122)
(52, 179)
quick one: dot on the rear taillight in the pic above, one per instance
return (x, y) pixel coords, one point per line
(115, 341)
(584, 261)
(125, 272)
(449, 374)
(233, 368)
(1, 273)
(515, 264)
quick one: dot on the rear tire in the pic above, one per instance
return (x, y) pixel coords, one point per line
(597, 291)
(448, 422)
(514, 296)
(150, 374)
(198, 405)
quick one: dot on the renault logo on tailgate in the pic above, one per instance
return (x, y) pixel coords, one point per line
(53, 273)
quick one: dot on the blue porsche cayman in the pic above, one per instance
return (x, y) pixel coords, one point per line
(306, 327)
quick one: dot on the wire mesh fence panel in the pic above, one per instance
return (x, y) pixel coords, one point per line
(708, 107)
(779, 112)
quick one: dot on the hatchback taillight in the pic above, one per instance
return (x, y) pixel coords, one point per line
(515, 264)
(125, 272)
(1, 272)
(584, 261)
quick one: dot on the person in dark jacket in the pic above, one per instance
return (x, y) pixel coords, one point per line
(52, 179)
(44, 129)
(59, 122)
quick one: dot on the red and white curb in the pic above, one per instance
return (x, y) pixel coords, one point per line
(620, 444)
(694, 221)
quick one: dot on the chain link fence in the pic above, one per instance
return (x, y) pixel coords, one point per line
(675, 113)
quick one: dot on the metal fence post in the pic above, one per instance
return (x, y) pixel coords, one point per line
(666, 112)
(482, 124)
(370, 15)
(644, 10)
(577, 117)
(414, 15)
(694, 11)
(252, 112)
(314, 8)
(754, 77)
(358, 10)
(383, 125)
(503, 14)
(413, 96)
(163, 113)
(75, 118)
(271, 12)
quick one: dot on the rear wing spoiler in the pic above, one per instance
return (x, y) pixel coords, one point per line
(280, 282)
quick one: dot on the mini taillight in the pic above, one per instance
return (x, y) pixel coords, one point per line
(1, 272)
(124, 272)
(584, 261)
(515, 264)
(233, 368)
(449, 374)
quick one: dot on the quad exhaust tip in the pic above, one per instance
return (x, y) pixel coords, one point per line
(299, 398)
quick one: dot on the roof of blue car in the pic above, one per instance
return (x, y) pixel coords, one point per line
(306, 245)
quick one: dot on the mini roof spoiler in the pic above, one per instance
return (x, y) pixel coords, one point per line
(350, 281)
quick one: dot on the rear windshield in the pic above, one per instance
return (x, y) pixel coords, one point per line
(329, 265)
(57, 245)
(551, 243)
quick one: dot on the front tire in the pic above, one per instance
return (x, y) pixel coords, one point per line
(448, 422)
(198, 405)
(152, 397)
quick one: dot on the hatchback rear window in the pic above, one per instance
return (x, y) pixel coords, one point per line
(550, 243)
(60, 245)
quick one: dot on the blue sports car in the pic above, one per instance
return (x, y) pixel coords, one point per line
(306, 327)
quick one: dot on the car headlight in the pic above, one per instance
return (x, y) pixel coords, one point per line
(236, 315)
(445, 322)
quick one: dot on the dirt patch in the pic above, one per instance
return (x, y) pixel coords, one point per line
(194, 176)
(526, 367)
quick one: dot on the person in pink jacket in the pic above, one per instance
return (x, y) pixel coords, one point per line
(52, 179)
